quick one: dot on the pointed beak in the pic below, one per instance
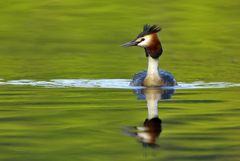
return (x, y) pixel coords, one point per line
(131, 43)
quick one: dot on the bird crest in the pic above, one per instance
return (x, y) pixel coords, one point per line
(148, 29)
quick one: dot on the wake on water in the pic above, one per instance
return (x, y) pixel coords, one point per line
(109, 83)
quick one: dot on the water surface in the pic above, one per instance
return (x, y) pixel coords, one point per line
(88, 124)
(64, 93)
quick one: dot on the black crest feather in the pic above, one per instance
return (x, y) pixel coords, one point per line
(148, 29)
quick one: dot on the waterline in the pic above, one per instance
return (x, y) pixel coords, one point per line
(108, 83)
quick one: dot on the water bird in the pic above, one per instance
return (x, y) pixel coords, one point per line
(149, 40)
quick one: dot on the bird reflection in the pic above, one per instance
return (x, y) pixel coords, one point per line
(149, 132)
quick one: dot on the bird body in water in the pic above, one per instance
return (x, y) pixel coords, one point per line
(148, 39)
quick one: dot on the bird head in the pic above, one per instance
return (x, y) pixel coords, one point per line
(149, 40)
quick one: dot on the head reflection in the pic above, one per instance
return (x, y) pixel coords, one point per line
(150, 131)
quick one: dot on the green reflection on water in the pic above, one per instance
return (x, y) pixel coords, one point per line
(80, 39)
(86, 124)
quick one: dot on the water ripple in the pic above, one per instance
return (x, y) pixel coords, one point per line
(109, 83)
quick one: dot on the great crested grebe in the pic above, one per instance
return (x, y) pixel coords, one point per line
(148, 39)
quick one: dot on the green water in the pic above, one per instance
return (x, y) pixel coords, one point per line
(53, 39)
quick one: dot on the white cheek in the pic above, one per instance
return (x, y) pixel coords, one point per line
(145, 43)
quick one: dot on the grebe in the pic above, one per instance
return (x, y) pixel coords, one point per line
(148, 39)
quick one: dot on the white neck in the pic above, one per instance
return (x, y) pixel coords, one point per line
(153, 78)
(152, 67)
